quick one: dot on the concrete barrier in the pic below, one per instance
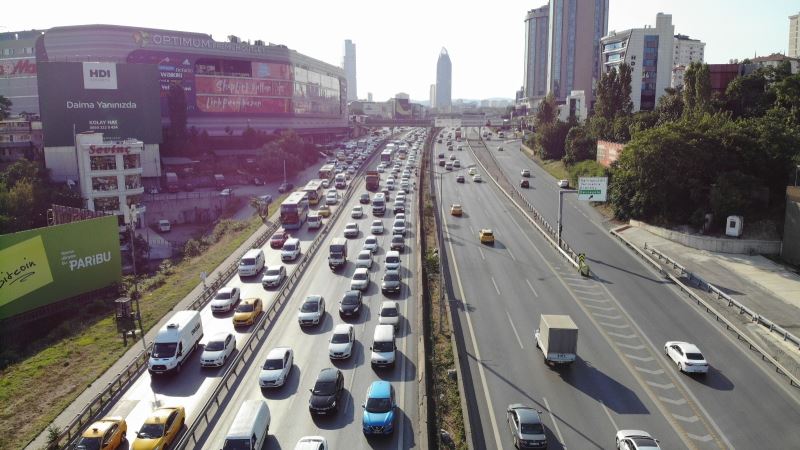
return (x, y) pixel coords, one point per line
(712, 244)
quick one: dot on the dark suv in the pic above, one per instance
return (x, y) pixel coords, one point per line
(326, 393)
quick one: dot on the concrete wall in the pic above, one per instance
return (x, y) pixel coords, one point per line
(719, 245)
(791, 226)
(186, 207)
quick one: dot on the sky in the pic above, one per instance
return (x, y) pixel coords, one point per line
(398, 43)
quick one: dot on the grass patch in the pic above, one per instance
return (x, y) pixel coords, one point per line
(35, 390)
(555, 167)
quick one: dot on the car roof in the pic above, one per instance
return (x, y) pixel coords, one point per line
(526, 414)
(687, 347)
(160, 415)
(277, 352)
(327, 374)
(250, 300)
(293, 241)
(379, 389)
(99, 428)
(365, 252)
(342, 328)
(313, 298)
(361, 269)
(388, 304)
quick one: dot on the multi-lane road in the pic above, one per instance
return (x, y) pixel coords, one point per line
(625, 313)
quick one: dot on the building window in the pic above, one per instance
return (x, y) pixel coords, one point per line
(103, 162)
(106, 204)
(133, 182)
(131, 161)
(104, 183)
(133, 200)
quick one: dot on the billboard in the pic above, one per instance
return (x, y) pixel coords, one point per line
(45, 265)
(119, 100)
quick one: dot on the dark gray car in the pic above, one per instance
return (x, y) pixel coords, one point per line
(350, 305)
(391, 281)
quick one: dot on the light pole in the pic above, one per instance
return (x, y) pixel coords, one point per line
(133, 217)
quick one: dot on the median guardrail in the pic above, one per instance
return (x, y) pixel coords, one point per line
(729, 326)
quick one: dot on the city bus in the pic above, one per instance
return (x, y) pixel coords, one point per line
(294, 210)
(314, 191)
(386, 155)
(327, 171)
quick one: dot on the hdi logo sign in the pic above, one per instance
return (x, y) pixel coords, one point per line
(97, 75)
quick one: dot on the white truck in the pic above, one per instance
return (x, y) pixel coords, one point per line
(557, 338)
(175, 342)
(338, 253)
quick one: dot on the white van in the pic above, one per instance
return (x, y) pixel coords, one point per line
(249, 428)
(290, 250)
(314, 220)
(175, 342)
(379, 205)
(383, 346)
(251, 263)
(340, 181)
(392, 260)
(164, 226)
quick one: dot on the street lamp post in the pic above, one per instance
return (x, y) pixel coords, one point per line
(133, 217)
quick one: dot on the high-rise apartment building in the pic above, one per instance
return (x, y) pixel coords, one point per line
(685, 52)
(573, 62)
(349, 66)
(649, 52)
(794, 36)
(444, 81)
(534, 83)
(433, 96)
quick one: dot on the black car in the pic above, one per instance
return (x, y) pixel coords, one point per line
(441, 155)
(398, 208)
(350, 305)
(524, 184)
(364, 198)
(398, 243)
(285, 187)
(441, 162)
(391, 281)
(460, 179)
(326, 392)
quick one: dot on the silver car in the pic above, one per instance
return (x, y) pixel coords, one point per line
(525, 426)
(389, 314)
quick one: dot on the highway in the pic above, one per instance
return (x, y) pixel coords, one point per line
(291, 419)
(625, 314)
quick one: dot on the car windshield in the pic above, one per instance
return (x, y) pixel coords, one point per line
(278, 236)
(245, 307)
(247, 262)
(237, 444)
(392, 259)
(350, 226)
(532, 428)
(309, 307)
(273, 364)
(289, 247)
(364, 256)
(378, 405)
(89, 443)
(324, 388)
(273, 272)
(382, 346)
(389, 312)
(377, 223)
(397, 238)
(694, 356)
(350, 299)
(151, 431)
(222, 296)
(360, 276)
(645, 442)
(340, 338)
(215, 346)
(164, 350)
(371, 241)
(391, 277)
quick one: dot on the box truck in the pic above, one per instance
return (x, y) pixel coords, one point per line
(172, 182)
(174, 342)
(338, 253)
(557, 338)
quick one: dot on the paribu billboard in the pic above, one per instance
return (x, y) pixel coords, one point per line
(45, 265)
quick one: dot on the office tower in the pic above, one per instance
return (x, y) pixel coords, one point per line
(444, 79)
(534, 83)
(349, 66)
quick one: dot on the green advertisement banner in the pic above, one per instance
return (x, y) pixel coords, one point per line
(45, 265)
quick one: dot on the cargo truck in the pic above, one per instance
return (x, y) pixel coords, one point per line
(557, 338)
(373, 180)
(172, 182)
(338, 253)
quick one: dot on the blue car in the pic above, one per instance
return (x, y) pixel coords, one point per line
(378, 418)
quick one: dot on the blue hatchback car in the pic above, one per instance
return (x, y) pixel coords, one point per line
(378, 418)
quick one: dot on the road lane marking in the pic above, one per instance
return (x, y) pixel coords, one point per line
(514, 328)
(650, 371)
(608, 414)
(673, 401)
(632, 347)
(664, 386)
(512, 255)
(483, 257)
(495, 285)
(614, 325)
(640, 358)
(532, 289)
(619, 335)
(606, 316)
(704, 438)
(555, 424)
(602, 308)
(687, 419)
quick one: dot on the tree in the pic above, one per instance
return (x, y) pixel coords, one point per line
(689, 86)
(579, 146)
(732, 194)
(787, 96)
(613, 105)
(547, 112)
(670, 106)
(5, 107)
(550, 139)
(749, 96)
(262, 208)
(702, 89)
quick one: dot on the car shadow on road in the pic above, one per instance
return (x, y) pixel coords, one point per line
(600, 279)
(714, 379)
(185, 383)
(325, 325)
(289, 387)
(585, 377)
(393, 373)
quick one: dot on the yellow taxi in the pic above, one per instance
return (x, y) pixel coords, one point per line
(105, 434)
(486, 236)
(324, 210)
(455, 209)
(160, 429)
(247, 312)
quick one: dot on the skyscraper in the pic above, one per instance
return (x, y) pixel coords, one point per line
(794, 36)
(433, 96)
(575, 29)
(534, 83)
(349, 66)
(444, 80)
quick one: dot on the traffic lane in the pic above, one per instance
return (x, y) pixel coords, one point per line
(597, 380)
(310, 348)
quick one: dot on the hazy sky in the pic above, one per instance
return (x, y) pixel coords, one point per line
(398, 43)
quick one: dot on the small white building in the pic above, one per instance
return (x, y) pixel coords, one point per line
(575, 106)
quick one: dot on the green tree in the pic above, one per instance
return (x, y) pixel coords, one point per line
(588, 168)
(689, 86)
(613, 105)
(547, 113)
(670, 106)
(732, 194)
(5, 107)
(702, 89)
(550, 139)
(787, 96)
(579, 145)
(749, 96)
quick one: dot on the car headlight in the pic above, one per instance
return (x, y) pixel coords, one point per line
(333, 405)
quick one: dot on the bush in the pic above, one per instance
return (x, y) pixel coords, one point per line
(586, 168)
(192, 248)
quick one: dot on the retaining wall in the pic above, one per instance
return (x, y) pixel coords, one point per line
(712, 244)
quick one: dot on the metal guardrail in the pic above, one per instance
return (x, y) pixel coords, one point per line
(729, 326)
(708, 287)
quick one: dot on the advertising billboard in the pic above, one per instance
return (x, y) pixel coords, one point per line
(119, 100)
(45, 265)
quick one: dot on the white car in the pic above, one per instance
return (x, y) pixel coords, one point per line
(325, 183)
(312, 443)
(377, 227)
(686, 356)
(358, 212)
(400, 216)
(312, 311)
(636, 440)
(340, 346)
(351, 230)
(477, 178)
(563, 183)
(276, 368)
(331, 199)
(392, 261)
(290, 250)
(381, 169)
(371, 244)
(399, 227)
(364, 259)
(225, 299)
(217, 350)
(400, 197)
(273, 276)
(390, 184)
(389, 314)
(360, 280)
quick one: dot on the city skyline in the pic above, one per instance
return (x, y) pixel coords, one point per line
(404, 61)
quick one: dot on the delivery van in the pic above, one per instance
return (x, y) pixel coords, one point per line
(382, 352)
(174, 342)
(249, 428)
(251, 263)
(338, 253)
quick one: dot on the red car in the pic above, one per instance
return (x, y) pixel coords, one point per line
(279, 238)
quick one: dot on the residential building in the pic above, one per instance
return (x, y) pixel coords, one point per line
(649, 53)
(432, 96)
(794, 36)
(773, 60)
(575, 106)
(534, 83)
(20, 138)
(573, 61)
(685, 52)
(444, 81)
(349, 66)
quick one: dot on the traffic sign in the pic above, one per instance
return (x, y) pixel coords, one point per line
(593, 188)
